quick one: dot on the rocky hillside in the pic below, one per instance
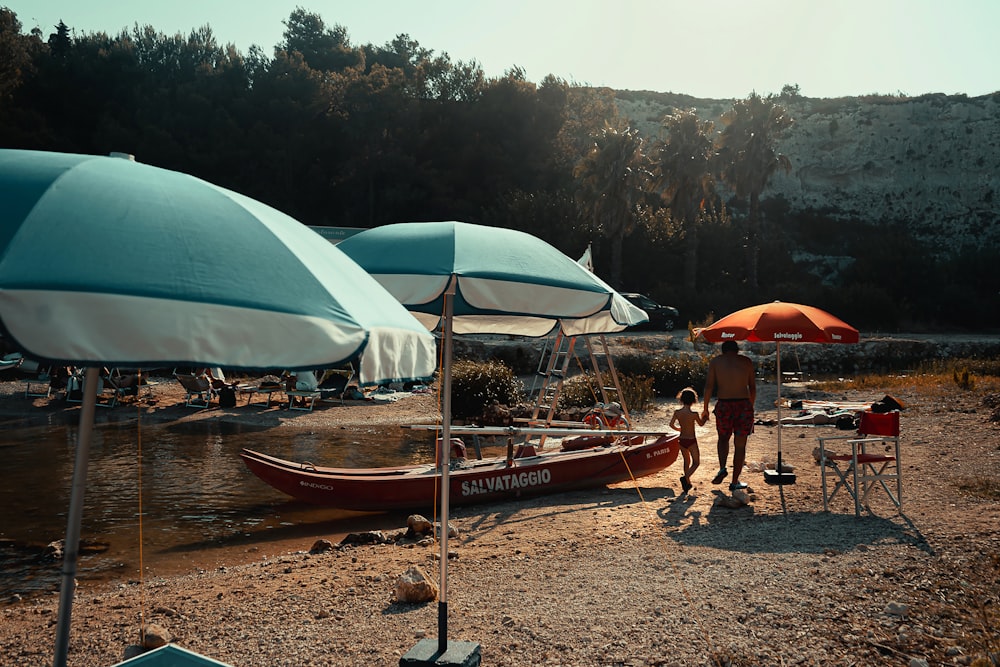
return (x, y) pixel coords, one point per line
(931, 162)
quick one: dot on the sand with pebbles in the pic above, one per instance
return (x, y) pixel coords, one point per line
(635, 574)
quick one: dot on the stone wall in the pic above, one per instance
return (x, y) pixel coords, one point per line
(873, 354)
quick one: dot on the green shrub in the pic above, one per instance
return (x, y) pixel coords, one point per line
(522, 359)
(584, 391)
(476, 384)
(985, 367)
(638, 391)
(580, 391)
(634, 364)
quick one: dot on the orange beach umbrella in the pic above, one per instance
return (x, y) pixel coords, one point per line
(780, 322)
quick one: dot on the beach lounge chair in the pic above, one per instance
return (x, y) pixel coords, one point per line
(199, 391)
(118, 387)
(39, 385)
(265, 387)
(108, 388)
(874, 462)
(12, 360)
(301, 389)
(334, 383)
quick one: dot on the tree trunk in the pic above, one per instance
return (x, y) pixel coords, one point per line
(690, 255)
(371, 198)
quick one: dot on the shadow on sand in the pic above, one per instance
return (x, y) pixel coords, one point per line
(793, 532)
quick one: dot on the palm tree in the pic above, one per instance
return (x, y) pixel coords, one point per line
(747, 157)
(611, 179)
(683, 175)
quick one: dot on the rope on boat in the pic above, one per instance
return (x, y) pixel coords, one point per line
(673, 565)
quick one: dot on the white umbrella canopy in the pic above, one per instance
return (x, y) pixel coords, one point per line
(107, 262)
(472, 279)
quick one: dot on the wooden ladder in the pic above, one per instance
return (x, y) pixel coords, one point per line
(612, 373)
(553, 367)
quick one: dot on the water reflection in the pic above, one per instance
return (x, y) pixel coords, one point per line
(196, 493)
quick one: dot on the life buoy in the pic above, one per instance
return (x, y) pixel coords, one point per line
(596, 420)
(586, 442)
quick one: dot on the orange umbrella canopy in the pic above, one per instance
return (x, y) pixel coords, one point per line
(781, 322)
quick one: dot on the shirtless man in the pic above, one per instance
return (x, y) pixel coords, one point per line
(731, 377)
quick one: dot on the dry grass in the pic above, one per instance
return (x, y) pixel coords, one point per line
(931, 383)
(981, 487)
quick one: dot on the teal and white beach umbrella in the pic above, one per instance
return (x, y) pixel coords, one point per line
(505, 281)
(472, 279)
(109, 262)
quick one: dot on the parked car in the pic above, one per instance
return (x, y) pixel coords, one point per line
(661, 318)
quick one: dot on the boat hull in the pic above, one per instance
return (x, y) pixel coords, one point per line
(479, 481)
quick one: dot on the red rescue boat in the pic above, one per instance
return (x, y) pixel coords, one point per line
(471, 481)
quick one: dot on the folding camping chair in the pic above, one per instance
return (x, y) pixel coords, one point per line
(874, 462)
(111, 389)
(118, 387)
(302, 400)
(108, 388)
(40, 385)
(199, 391)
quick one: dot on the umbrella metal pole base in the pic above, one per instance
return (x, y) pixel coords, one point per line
(779, 477)
(428, 652)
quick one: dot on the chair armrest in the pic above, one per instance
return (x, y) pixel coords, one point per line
(838, 437)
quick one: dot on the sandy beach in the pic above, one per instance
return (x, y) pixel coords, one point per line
(634, 574)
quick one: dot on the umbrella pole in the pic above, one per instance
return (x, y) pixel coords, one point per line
(427, 653)
(71, 548)
(777, 356)
(779, 476)
(449, 308)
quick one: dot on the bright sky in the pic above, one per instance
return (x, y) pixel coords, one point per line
(722, 49)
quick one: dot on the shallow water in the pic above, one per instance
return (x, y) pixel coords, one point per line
(198, 500)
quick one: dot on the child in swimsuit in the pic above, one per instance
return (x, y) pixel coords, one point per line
(684, 420)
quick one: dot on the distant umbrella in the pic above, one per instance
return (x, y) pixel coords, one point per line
(107, 262)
